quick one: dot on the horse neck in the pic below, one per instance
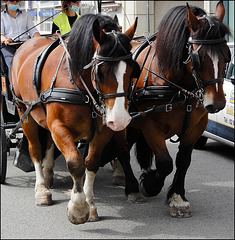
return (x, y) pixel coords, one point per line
(85, 78)
(184, 78)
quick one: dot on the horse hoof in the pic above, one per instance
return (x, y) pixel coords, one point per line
(180, 212)
(93, 216)
(77, 220)
(119, 180)
(136, 198)
(142, 190)
(77, 214)
(43, 198)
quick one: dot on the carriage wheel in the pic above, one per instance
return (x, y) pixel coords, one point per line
(3, 148)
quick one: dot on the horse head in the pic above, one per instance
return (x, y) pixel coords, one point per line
(113, 69)
(208, 53)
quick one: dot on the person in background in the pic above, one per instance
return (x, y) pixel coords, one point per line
(65, 20)
(13, 23)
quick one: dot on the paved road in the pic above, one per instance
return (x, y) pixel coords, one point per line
(209, 188)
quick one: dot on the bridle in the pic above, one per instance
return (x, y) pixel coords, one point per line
(98, 60)
(193, 56)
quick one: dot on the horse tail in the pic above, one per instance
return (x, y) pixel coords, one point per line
(144, 153)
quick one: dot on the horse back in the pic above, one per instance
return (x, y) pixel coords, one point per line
(22, 67)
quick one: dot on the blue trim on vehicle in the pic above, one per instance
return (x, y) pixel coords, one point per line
(220, 130)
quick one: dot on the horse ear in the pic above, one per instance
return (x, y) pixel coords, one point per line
(131, 31)
(116, 19)
(220, 10)
(98, 33)
(194, 23)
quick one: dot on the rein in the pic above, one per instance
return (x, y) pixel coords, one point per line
(36, 25)
(75, 96)
(197, 93)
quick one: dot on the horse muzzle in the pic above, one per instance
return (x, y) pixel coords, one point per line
(215, 106)
(118, 123)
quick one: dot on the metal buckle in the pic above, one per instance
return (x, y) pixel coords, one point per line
(189, 108)
(87, 99)
(45, 95)
(169, 107)
(94, 115)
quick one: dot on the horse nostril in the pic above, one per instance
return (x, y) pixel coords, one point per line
(210, 108)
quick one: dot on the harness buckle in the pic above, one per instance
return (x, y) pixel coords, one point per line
(45, 95)
(169, 107)
(94, 115)
(189, 108)
(87, 99)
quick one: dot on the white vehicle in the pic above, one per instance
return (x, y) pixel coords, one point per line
(220, 125)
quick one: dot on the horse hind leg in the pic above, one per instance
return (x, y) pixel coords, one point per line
(42, 193)
(152, 181)
(118, 177)
(48, 162)
(131, 183)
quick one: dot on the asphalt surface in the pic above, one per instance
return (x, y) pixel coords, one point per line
(209, 188)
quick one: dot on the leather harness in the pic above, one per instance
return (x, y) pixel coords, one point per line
(70, 96)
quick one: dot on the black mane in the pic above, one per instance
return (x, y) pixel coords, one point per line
(219, 30)
(80, 44)
(173, 35)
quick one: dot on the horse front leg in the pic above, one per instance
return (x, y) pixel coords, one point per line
(92, 162)
(178, 204)
(123, 154)
(78, 209)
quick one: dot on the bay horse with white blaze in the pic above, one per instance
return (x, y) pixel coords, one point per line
(180, 82)
(78, 92)
(185, 65)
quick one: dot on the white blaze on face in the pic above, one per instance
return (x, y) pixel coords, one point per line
(215, 61)
(208, 97)
(118, 117)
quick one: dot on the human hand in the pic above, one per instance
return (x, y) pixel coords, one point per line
(7, 41)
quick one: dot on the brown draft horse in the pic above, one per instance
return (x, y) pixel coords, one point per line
(81, 95)
(186, 63)
(181, 81)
